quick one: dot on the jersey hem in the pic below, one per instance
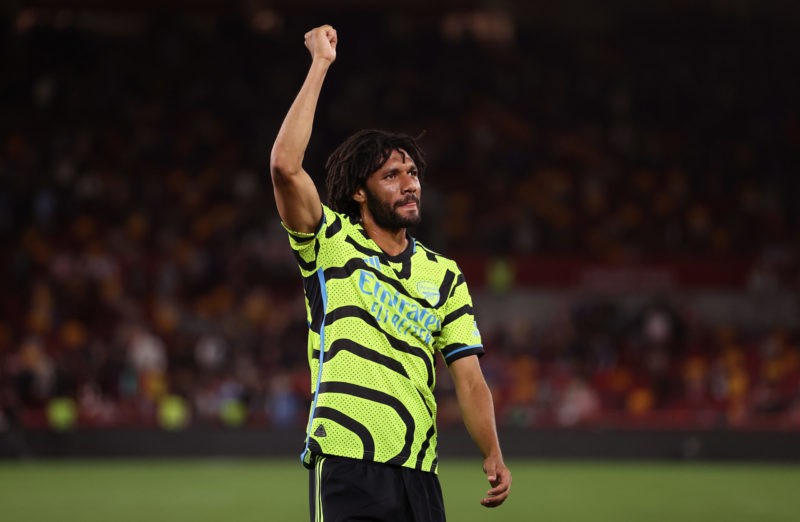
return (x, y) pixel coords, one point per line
(417, 466)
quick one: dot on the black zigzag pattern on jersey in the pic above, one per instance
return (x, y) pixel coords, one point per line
(397, 344)
(381, 398)
(444, 288)
(307, 265)
(405, 269)
(367, 441)
(430, 254)
(311, 286)
(346, 270)
(455, 314)
(459, 281)
(428, 435)
(346, 345)
(334, 227)
(361, 248)
(424, 448)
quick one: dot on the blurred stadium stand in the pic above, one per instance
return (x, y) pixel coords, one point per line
(619, 183)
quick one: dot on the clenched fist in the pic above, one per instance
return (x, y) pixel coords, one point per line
(321, 43)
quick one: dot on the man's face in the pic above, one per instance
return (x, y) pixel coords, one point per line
(393, 193)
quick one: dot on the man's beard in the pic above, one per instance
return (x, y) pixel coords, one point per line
(386, 216)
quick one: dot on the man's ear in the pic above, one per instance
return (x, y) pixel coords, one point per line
(360, 195)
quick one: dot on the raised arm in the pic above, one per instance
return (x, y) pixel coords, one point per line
(295, 194)
(477, 409)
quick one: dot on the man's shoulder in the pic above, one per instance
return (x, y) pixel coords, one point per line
(335, 222)
(329, 215)
(436, 257)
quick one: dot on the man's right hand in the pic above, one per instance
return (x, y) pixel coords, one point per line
(296, 196)
(321, 43)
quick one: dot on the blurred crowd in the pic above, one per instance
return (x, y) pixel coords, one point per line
(656, 365)
(142, 256)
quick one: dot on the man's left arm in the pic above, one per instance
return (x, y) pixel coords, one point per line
(477, 410)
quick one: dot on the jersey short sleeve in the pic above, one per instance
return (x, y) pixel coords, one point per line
(459, 336)
(306, 245)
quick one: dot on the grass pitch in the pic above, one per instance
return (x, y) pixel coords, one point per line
(276, 491)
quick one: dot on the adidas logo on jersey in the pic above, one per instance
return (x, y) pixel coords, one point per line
(373, 261)
(320, 431)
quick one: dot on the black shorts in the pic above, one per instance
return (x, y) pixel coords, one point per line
(342, 489)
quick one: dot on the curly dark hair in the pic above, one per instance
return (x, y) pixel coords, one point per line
(349, 166)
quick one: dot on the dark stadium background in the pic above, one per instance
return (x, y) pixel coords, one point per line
(618, 180)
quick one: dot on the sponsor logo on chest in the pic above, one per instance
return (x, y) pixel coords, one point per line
(406, 316)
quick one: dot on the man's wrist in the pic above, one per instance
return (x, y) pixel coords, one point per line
(495, 454)
(321, 62)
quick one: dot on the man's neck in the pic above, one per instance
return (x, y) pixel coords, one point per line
(392, 241)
